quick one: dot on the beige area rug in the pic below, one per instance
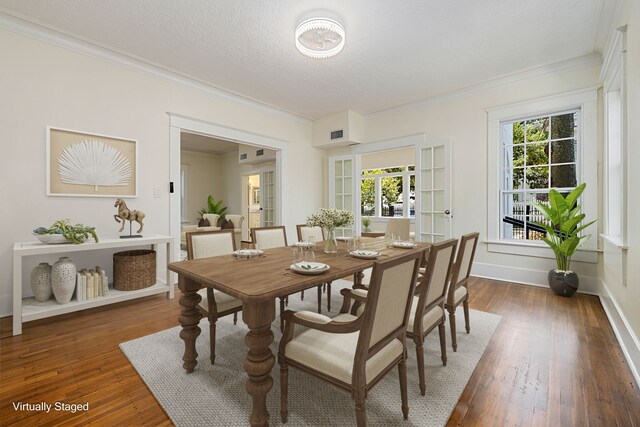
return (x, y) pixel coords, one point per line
(214, 395)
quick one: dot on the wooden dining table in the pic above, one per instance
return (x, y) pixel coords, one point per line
(257, 283)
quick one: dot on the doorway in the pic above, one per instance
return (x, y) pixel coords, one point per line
(251, 204)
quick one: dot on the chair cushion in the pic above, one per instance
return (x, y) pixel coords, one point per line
(459, 294)
(224, 301)
(333, 354)
(430, 318)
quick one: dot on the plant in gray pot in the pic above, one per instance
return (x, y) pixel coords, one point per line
(563, 227)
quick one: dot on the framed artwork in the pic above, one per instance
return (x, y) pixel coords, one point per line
(90, 165)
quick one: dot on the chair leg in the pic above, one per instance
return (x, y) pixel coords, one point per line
(281, 311)
(402, 372)
(284, 392)
(235, 318)
(420, 358)
(465, 306)
(443, 343)
(328, 296)
(361, 410)
(212, 338)
(319, 298)
(301, 295)
(452, 324)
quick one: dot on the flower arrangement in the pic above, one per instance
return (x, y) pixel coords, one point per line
(331, 218)
(73, 233)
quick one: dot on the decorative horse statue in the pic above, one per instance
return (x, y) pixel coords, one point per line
(125, 214)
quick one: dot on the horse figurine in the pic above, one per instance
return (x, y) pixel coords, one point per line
(125, 214)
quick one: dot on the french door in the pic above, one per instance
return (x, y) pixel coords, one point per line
(433, 191)
(342, 188)
(268, 198)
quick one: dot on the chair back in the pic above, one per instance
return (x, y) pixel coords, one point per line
(433, 287)
(389, 299)
(464, 260)
(205, 244)
(398, 227)
(309, 234)
(269, 237)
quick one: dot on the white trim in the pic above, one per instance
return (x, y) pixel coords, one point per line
(389, 144)
(541, 250)
(178, 123)
(628, 341)
(586, 100)
(526, 276)
(507, 79)
(72, 42)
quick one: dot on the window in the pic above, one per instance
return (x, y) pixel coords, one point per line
(534, 146)
(383, 192)
(538, 153)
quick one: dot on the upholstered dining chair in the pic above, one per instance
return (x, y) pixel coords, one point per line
(399, 227)
(427, 309)
(354, 353)
(214, 304)
(314, 234)
(458, 291)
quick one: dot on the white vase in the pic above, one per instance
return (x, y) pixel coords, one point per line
(41, 281)
(63, 279)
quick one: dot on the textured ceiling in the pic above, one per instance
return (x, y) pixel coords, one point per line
(396, 51)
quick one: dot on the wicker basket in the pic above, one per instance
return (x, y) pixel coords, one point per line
(134, 269)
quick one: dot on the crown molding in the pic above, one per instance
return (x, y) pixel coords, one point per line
(507, 79)
(75, 43)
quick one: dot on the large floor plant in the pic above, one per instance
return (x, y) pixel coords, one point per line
(563, 226)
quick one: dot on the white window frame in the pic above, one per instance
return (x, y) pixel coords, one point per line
(406, 192)
(586, 101)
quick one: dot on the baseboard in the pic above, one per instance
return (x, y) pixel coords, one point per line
(6, 305)
(525, 276)
(626, 338)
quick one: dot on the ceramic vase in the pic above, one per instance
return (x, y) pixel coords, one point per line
(563, 283)
(331, 244)
(41, 281)
(63, 279)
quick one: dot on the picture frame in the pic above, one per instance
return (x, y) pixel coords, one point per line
(82, 164)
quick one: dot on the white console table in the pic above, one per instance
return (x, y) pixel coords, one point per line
(28, 309)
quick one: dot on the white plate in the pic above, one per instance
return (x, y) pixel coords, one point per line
(309, 267)
(304, 244)
(364, 254)
(247, 253)
(404, 245)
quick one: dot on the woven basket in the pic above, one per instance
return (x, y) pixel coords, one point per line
(134, 269)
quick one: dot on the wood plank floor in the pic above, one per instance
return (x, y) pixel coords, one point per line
(552, 362)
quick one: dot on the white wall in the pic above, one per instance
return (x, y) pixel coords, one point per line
(45, 85)
(627, 297)
(464, 120)
(204, 172)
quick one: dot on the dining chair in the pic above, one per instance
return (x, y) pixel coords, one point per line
(399, 227)
(276, 237)
(427, 309)
(458, 291)
(314, 234)
(214, 304)
(354, 353)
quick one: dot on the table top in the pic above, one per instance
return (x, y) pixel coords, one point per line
(268, 276)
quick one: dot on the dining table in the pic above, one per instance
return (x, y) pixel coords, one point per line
(257, 282)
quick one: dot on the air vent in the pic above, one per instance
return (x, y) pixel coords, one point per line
(259, 152)
(243, 156)
(337, 134)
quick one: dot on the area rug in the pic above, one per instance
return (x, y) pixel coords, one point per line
(215, 394)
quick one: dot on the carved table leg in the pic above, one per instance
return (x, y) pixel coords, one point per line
(189, 319)
(260, 360)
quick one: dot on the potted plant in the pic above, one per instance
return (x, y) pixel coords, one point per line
(366, 222)
(214, 207)
(563, 219)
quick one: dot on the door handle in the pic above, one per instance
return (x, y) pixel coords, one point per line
(447, 212)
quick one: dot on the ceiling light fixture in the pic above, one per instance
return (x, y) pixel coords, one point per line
(320, 38)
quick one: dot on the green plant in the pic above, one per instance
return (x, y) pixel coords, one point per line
(214, 207)
(366, 221)
(73, 233)
(563, 225)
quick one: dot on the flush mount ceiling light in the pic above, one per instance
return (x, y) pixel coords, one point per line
(320, 38)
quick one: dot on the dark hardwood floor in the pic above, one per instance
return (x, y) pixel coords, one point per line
(553, 361)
